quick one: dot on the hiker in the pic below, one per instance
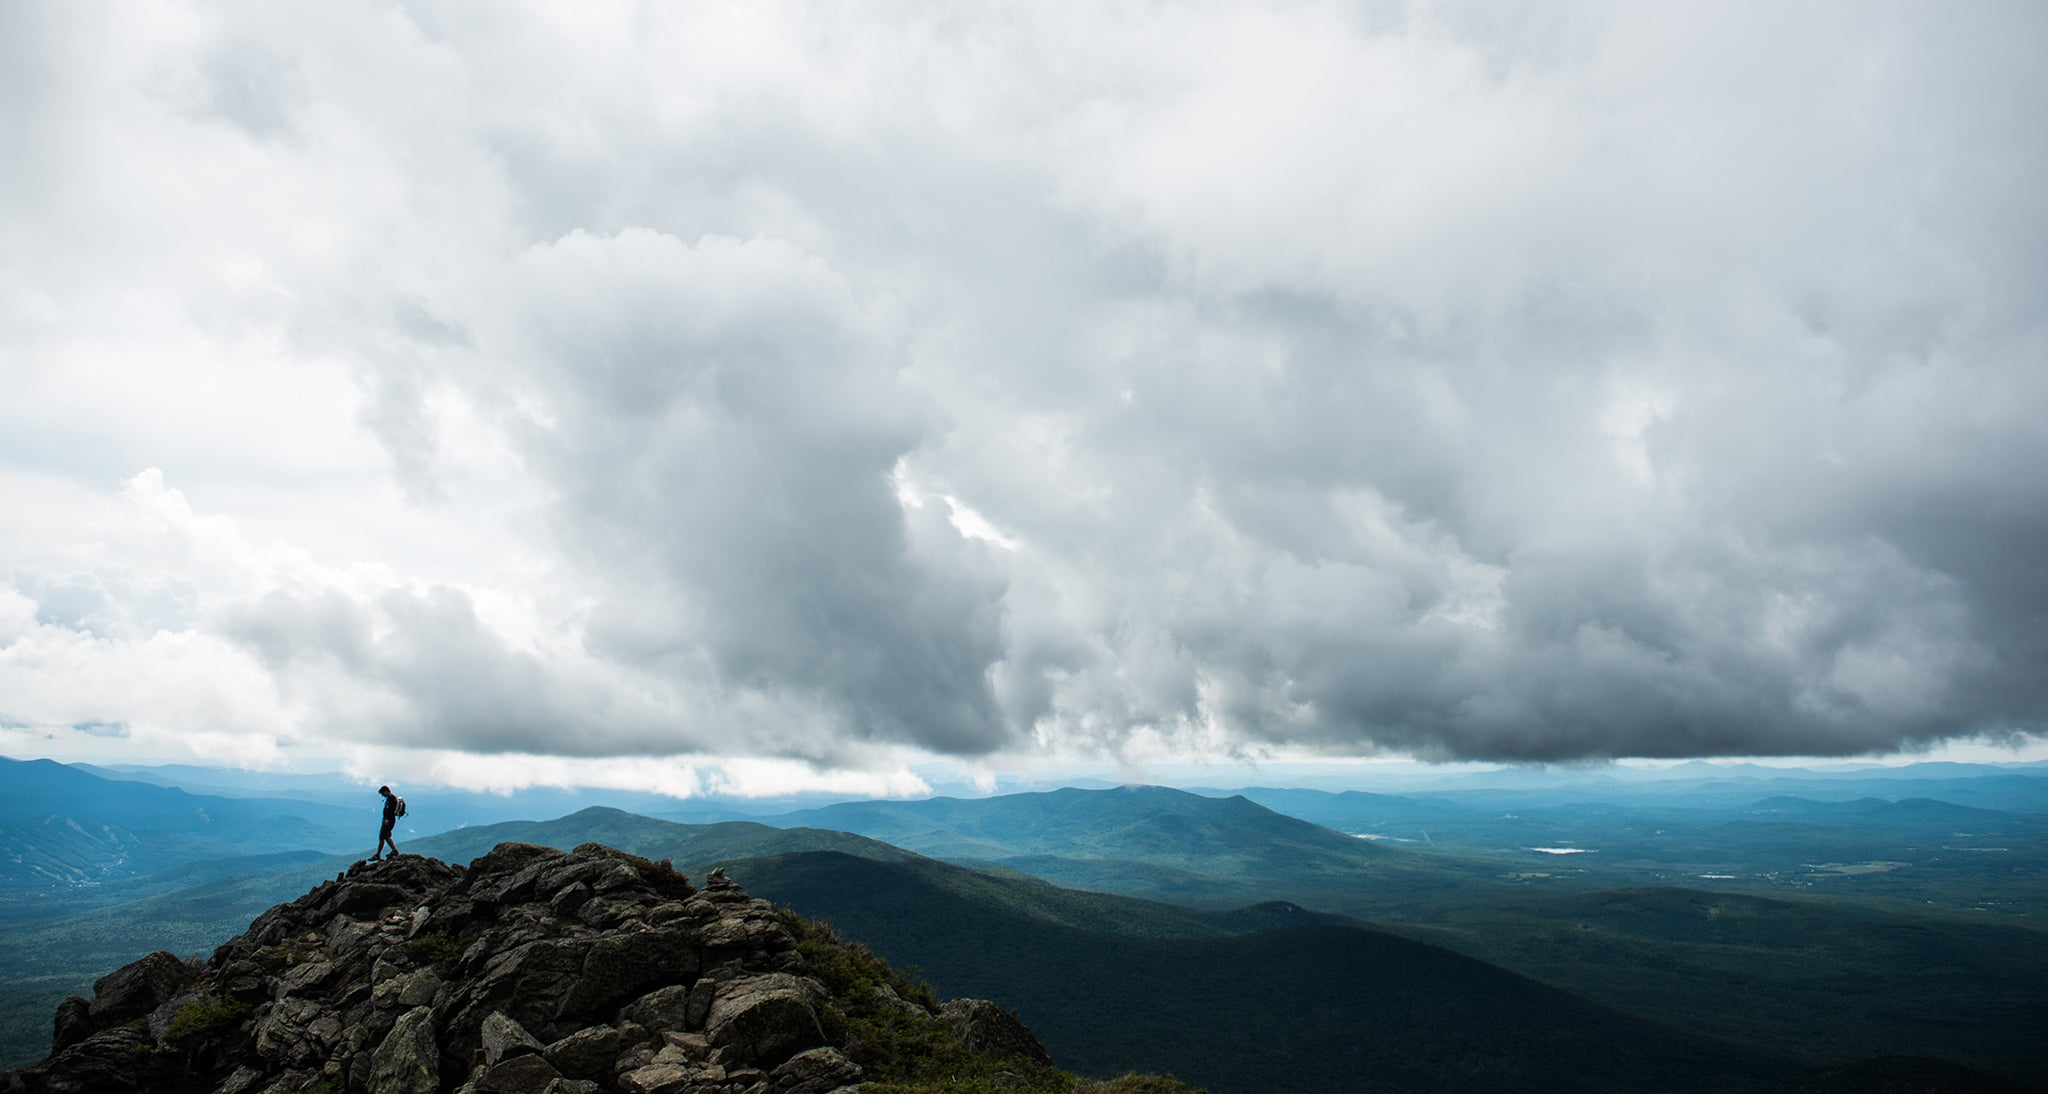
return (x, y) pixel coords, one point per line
(392, 811)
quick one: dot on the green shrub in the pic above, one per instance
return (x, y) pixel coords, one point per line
(441, 949)
(203, 1017)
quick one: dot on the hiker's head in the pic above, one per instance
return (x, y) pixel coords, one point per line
(384, 790)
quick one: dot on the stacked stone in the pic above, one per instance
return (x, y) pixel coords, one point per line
(533, 971)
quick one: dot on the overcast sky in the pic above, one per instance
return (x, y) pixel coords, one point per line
(766, 396)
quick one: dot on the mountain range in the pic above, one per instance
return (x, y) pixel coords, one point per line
(1225, 935)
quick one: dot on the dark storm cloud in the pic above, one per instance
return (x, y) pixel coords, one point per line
(722, 422)
(1098, 380)
(1638, 384)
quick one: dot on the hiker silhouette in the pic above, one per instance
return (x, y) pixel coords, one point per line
(392, 809)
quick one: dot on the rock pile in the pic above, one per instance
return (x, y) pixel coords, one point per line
(532, 971)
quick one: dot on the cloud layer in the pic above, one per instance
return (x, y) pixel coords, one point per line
(1093, 380)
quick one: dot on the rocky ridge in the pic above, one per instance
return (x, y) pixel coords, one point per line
(531, 971)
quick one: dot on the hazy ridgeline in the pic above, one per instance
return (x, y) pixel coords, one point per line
(1710, 929)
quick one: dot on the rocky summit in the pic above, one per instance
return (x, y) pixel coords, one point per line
(531, 971)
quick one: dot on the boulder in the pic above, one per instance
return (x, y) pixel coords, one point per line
(529, 983)
(414, 989)
(988, 1028)
(587, 1053)
(815, 1071)
(137, 988)
(517, 1075)
(660, 1009)
(74, 1024)
(408, 1061)
(627, 963)
(766, 1019)
(567, 899)
(285, 1035)
(364, 898)
(508, 858)
(751, 928)
(657, 1079)
(502, 1037)
(245, 1080)
(111, 1062)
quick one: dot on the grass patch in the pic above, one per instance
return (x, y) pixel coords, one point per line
(202, 1018)
(441, 949)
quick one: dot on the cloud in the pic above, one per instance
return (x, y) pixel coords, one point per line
(1129, 381)
(721, 422)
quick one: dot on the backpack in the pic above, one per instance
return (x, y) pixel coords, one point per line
(401, 806)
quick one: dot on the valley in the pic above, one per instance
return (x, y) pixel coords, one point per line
(1229, 930)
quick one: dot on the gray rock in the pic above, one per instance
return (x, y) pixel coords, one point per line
(657, 1079)
(303, 977)
(755, 927)
(885, 997)
(587, 1053)
(105, 1063)
(74, 1024)
(569, 898)
(160, 1019)
(986, 1027)
(633, 1058)
(766, 1019)
(607, 912)
(669, 911)
(579, 867)
(618, 876)
(289, 1083)
(627, 963)
(528, 983)
(137, 988)
(408, 1062)
(517, 887)
(414, 989)
(815, 1071)
(361, 898)
(660, 1009)
(282, 1034)
(695, 1046)
(507, 860)
(574, 1086)
(517, 1075)
(502, 1037)
(675, 1054)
